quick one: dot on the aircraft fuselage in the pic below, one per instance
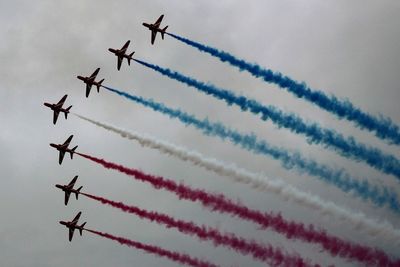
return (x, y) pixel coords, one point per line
(72, 225)
(61, 148)
(67, 224)
(60, 186)
(115, 51)
(52, 106)
(87, 80)
(66, 189)
(119, 53)
(56, 107)
(152, 27)
(58, 147)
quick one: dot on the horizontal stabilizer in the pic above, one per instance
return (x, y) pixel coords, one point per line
(130, 57)
(73, 151)
(163, 31)
(78, 192)
(67, 111)
(81, 228)
(99, 85)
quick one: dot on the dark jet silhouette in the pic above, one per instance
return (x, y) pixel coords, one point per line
(69, 188)
(57, 108)
(121, 54)
(72, 225)
(91, 80)
(155, 27)
(63, 148)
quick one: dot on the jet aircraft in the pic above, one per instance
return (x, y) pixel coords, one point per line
(155, 27)
(69, 188)
(63, 148)
(72, 225)
(57, 108)
(91, 80)
(121, 54)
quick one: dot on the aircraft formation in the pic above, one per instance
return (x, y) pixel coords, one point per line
(57, 108)
(327, 242)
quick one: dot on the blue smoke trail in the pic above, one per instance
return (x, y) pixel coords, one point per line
(384, 128)
(380, 196)
(314, 133)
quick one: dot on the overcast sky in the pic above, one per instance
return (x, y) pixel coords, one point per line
(348, 49)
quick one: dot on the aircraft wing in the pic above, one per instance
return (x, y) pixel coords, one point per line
(61, 157)
(75, 220)
(72, 183)
(61, 102)
(125, 45)
(153, 36)
(55, 116)
(66, 198)
(158, 22)
(93, 76)
(71, 233)
(119, 62)
(88, 87)
(66, 143)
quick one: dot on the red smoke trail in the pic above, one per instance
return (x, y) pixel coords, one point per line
(291, 229)
(174, 256)
(267, 253)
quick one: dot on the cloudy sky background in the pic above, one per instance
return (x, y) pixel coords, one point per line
(349, 49)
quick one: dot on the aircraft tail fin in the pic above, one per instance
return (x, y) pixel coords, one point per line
(99, 85)
(73, 151)
(163, 31)
(67, 111)
(81, 228)
(77, 192)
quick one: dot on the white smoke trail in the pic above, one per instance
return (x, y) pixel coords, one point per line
(358, 220)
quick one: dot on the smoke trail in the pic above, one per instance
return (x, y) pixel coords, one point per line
(290, 229)
(234, 173)
(347, 147)
(378, 195)
(383, 128)
(172, 255)
(266, 253)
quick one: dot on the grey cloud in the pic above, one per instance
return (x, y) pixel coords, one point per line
(349, 49)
